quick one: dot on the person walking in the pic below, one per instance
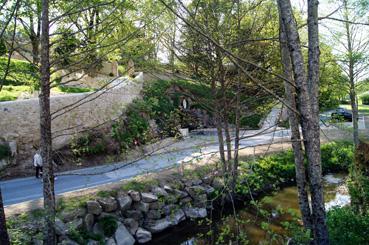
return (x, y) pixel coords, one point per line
(37, 162)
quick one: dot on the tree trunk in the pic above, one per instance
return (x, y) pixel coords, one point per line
(290, 93)
(4, 237)
(312, 144)
(218, 123)
(308, 110)
(237, 137)
(353, 99)
(45, 130)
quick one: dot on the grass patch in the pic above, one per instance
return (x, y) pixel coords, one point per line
(72, 203)
(10, 92)
(65, 89)
(139, 185)
(363, 109)
(20, 73)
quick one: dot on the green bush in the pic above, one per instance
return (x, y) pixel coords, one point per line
(346, 227)
(337, 156)
(3, 49)
(365, 99)
(5, 151)
(272, 170)
(88, 144)
(108, 225)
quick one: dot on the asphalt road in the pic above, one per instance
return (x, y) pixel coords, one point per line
(26, 189)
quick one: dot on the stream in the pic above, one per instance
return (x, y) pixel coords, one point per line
(193, 232)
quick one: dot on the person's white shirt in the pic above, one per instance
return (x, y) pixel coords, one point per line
(37, 160)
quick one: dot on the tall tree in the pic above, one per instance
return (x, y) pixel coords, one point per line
(308, 86)
(45, 128)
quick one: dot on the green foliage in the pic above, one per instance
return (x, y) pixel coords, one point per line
(337, 156)
(87, 144)
(67, 89)
(133, 128)
(19, 73)
(5, 151)
(108, 225)
(3, 49)
(83, 236)
(346, 227)
(10, 92)
(365, 99)
(65, 45)
(272, 170)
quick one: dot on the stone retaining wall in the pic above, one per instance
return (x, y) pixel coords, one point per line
(138, 215)
(19, 120)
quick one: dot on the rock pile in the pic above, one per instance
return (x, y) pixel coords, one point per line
(137, 215)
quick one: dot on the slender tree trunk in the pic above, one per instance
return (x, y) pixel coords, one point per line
(290, 94)
(308, 110)
(237, 136)
(45, 130)
(4, 237)
(312, 144)
(353, 97)
(218, 123)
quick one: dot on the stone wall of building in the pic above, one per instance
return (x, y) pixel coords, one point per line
(71, 113)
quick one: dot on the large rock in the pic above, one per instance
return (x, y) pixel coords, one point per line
(142, 206)
(68, 242)
(180, 194)
(134, 214)
(154, 214)
(122, 236)
(89, 221)
(157, 205)
(168, 209)
(75, 224)
(177, 217)
(131, 225)
(156, 226)
(143, 235)
(69, 215)
(93, 242)
(94, 207)
(195, 212)
(209, 189)
(200, 201)
(60, 228)
(124, 202)
(109, 204)
(135, 195)
(196, 190)
(97, 229)
(160, 192)
(110, 241)
(148, 197)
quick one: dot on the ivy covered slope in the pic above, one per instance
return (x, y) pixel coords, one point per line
(160, 103)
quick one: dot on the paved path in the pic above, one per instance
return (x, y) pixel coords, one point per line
(26, 189)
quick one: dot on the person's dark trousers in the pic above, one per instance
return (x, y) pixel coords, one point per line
(38, 172)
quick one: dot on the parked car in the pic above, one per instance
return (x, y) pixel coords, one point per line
(342, 114)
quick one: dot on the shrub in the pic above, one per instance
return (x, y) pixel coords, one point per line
(347, 227)
(88, 144)
(272, 170)
(108, 225)
(365, 99)
(337, 156)
(5, 151)
(3, 49)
